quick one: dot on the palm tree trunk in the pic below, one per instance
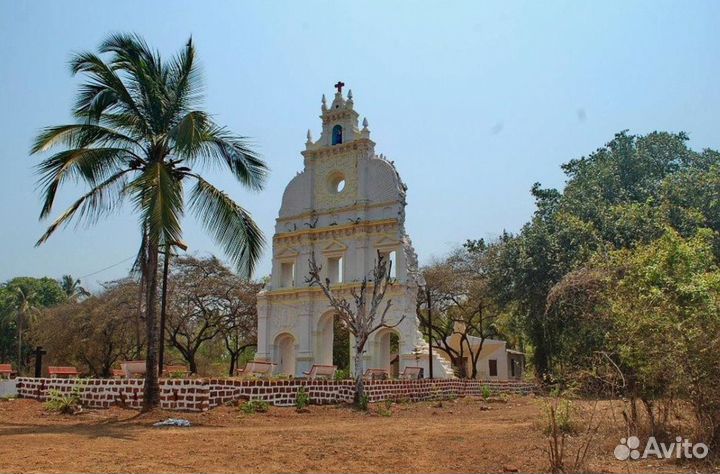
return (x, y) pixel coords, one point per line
(19, 343)
(151, 395)
(163, 307)
(138, 314)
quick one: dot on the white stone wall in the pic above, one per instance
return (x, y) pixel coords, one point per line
(8, 388)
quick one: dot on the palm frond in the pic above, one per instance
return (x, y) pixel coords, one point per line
(216, 144)
(138, 266)
(146, 76)
(130, 51)
(80, 135)
(102, 77)
(89, 164)
(97, 202)
(190, 133)
(184, 85)
(158, 195)
(125, 121)
(231, 225)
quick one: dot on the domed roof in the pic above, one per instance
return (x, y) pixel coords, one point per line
(296, 198)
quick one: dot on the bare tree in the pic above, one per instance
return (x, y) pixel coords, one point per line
(240, 329)
(455, 307)
(205, 300)
(368, 314)
(94, 333)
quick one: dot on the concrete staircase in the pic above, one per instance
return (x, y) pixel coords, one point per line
(442, 369)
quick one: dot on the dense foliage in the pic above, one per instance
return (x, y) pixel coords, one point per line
(21, 300)
(212, 322)
(625, 194)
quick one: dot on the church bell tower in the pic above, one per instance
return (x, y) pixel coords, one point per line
(345, 206)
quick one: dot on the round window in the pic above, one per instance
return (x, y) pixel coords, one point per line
(336, 182)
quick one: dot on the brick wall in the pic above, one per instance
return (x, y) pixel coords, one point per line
(203, 394)
(280, 392)
(418, 390)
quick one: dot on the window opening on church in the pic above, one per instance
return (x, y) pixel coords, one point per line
(335, 269)
(337, 135)
(336, 182)
(391, 257)
(287, 274)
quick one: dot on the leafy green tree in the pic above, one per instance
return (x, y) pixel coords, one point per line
(20, 301)
(622, 195)
(665, 303)
(139, 136)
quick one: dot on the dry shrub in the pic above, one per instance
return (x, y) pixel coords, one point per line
(565, 420)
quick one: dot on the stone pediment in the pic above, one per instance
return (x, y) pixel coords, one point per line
(287, 252)
(385, 242)
(334, 246)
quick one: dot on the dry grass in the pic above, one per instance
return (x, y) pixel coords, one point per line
(465, 435)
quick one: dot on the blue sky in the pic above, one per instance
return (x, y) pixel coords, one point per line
(474, 101)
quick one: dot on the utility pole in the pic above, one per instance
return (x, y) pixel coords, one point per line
(430, 353)
(163, 299)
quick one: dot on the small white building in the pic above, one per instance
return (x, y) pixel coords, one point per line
(494, 362)
(346, 204)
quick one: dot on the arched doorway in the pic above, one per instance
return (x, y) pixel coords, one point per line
(388, 349)
(333, 342)
(285, 354)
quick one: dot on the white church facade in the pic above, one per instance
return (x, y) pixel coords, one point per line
(347, 204)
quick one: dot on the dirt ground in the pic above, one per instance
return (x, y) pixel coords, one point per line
(465, 435)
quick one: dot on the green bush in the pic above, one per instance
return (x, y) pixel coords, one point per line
(302, 399)
(558, 417)
(255, 406)
(486, 392)
(66, 404)
(342, 374)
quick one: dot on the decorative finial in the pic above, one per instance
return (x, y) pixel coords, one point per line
(339, 86)
(309, 136)
(365, 132)
(324, 102)
(350, 94)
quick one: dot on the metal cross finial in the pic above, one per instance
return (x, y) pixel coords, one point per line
(339, 86)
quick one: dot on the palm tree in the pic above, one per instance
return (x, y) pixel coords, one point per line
(140, 137)
(26, 305)
(72, 288)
